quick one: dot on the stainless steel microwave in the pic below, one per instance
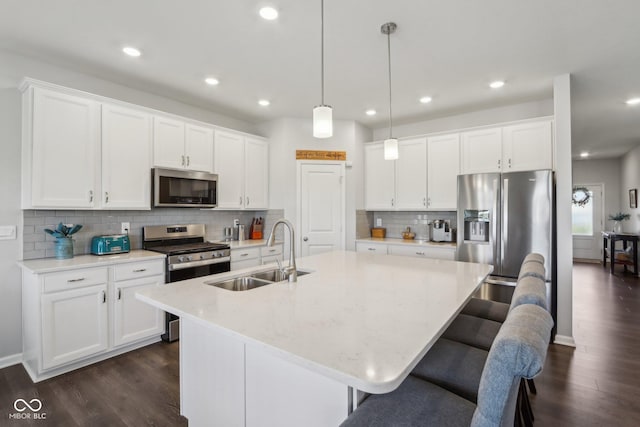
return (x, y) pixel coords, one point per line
(187, 189)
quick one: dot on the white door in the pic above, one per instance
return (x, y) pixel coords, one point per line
(481, 151)
(66, 138)
(321, 210)
(74, 325)
(198, 148)
(126, 158)
(411, 175)
(379, 178)
(228, 159)
(133, 319)
(527, 147)
(588, 224)
(168, 143)
(256, 174)
(443, 167)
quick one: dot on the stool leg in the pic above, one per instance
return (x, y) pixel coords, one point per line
(525, 406)
(532, 386)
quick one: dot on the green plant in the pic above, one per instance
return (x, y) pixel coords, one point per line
(620, 216)
(63, 232)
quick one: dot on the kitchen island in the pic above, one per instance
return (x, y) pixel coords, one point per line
(298, 353)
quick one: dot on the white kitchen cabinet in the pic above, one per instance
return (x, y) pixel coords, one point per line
(133, 319)
(74, 324)
(126, 154)
(61, 140)
(481, 151)
(527, 146)
(443, 167)
(243, 174)
(180, 145)
(411, 175)
(379, 179)
(254, 256)
(377, 248)
(445, 252)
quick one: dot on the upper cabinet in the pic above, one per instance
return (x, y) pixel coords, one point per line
(518, 147)
(61, 150)
(443, 167)
(126, 148)
(241, 163)
(379, 179)
(180, 145)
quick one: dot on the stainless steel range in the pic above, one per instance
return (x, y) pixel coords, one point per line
(188, 256)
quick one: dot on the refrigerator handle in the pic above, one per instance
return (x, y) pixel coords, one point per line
(495, 224)
(505, 218)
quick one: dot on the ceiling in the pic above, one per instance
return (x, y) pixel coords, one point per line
(447, 50)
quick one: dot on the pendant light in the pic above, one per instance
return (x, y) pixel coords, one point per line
(322, 114)
(390, 144)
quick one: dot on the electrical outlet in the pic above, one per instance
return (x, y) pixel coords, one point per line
(236, 222)
(125, 227)
(378, 222)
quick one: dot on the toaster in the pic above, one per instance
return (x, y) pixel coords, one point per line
(110, 244)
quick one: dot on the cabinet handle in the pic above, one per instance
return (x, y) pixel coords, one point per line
(90, 195)
(104, 297)
(428, 201)
(119, 293)
(140, 270)
(419, 253)
(75, 280)
(272, 250)
(247, 201)
(183, 160)
(509, 163)
(371, 249)
(240, 200)
(244, 254)
(188, 160)
(106, 197)
(424, 201)
(499, 161)
(393, 202)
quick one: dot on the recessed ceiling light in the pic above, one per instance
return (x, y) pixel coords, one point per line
(496, 85)
(584, 154)
(371, 112)
(131, 51)
(269, 13)
(633, 101)
(425, 99)
(264, 102)
(211, 81)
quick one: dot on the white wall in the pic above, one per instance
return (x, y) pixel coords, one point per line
(13, 68)
(630, 179)
(477, 118)
(601, 171)
(290, 134)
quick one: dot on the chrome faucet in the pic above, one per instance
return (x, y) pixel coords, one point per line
(290, 270)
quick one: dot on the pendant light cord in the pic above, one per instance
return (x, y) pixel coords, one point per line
(322, 50)
(390, 115)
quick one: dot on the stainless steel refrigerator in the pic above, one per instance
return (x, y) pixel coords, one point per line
(503, 217)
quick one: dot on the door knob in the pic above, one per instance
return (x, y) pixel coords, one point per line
(305, 238)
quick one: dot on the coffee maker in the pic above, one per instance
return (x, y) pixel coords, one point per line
(441, 231)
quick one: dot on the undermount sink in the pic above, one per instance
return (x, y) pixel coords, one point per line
(253, 281)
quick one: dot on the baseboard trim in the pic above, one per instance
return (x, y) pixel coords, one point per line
(564, 340)
(7, 361)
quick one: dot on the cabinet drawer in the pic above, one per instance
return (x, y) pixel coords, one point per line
(423, 252)
(245, 263)
(74, 279)
(134, 270)
(271, 250)
(243, 254)
(376, 248)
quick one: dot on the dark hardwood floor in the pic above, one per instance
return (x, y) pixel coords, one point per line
(595, 384)
(140, 388)
(598, 382)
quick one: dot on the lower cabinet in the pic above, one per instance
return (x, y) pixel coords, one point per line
(412, 250)
(378, 248)
(255, 256)
(76, 317)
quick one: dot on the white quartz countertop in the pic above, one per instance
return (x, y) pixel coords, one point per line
(237, 244)
(414, 242)
(362, 319)
(49, 265)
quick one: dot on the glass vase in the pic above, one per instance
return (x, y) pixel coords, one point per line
(617, 227)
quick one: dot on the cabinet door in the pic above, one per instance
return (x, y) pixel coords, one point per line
(199, 148)
(65, 144)
(443, 167)
(228, 159)
(126, 158)
(74, 325)
(448, 253)
(375, 248)
(527, 147)
(411, 175)
(168, 143)
(133, 319)
(256, 175)
(379, 179)
(481, 151)
(247, 263)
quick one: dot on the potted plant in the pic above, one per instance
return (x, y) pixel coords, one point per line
(64, 241)
(617, 218)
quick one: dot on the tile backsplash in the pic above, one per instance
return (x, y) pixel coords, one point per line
(38, 244)
(397, 222)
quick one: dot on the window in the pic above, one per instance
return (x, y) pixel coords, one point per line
(582, 217)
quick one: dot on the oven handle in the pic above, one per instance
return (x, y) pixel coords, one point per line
(182, 266)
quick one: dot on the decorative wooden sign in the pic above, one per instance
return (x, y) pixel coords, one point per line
(320, 155)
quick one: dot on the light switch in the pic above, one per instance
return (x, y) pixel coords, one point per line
(7, 232)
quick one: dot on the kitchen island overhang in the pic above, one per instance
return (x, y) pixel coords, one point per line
(361, 321)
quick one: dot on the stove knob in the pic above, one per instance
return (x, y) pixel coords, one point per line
(201, 256)
(181, 259)
(189, 258)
